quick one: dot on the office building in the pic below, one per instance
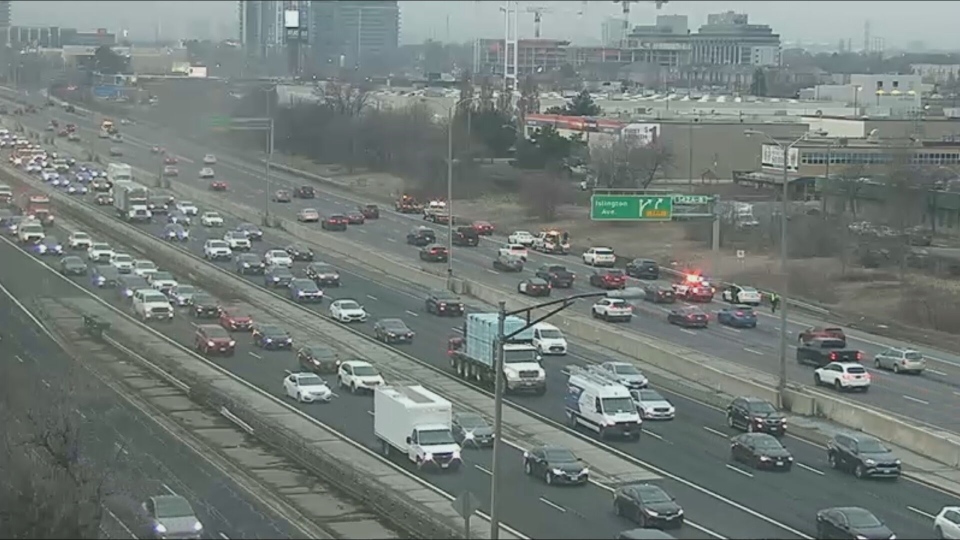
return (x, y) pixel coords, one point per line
(613, 31)
(359, 34)
(729, 39)
(533, 55)
(261, 28)
(32, 37)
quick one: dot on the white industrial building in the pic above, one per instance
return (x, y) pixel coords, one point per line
(894, 95)
(937, 73)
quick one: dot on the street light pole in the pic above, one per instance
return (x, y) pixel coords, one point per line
(267, 163)
(450, 118)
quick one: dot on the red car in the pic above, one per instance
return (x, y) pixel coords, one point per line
(71, 128)
(218, 185)
(170, 160)
(608, 279)
(820, 332)
(335, 222)
(356, 218)
(235, 323)
(484, 228)
(62, 133)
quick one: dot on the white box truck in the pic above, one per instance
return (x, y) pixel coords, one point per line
(119, 172)
(472, 356)
(131, 199)
(416, 422)
(600, 404)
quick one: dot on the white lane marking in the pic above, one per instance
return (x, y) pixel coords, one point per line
(916, 400)
(738, 470)
(705, 530)
(494, 272)
(120, 448)
(654, 435)
(553, 505)
(809, 468)
(459, 330)
(956, 393)
(729, 329)
(21, 361)
(715, 432)
(374, 298)
(921, 512)
(391, 240)
(167, 489)
(80, 414)
(754, 351)
(255, 355)
(686, 331)
(937, 372)
(484, 470)
(359, 230)
(412, 314)
(224, 536)
(45, 383)
(370, 413)
(122, 524)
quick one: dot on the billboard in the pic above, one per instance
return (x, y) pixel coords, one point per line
(641, 134)
(291, 19)
(771, 157)
(198, 72)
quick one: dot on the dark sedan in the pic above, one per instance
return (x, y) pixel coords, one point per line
(508, 263)
(421, 236)
(392, 331)
(851, 522)
(250, 263)
(305, 192)
(643, 269)
(434, 253)
(318, 359)
(270, 336)
(761, 451)
(738, 317)
(555, 465)
(323, 274)
(659, 294)
(104, 276)
(608, 279)
(649, 506)
(688, 317)
(534, 287)
(299, 252)
(278, 276)
(356, 218)
(335, 222)
(204, 306)
(253, 232)
(471, 429)
(73, 266)
(369, 211)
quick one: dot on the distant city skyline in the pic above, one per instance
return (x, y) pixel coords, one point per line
(897, 24)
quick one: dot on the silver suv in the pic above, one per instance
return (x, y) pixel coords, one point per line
(900, 361)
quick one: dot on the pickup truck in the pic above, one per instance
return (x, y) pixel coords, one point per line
(821, 351)
(557, 275)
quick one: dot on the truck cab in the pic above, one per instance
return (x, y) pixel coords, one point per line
(596, 402)
(417, 423)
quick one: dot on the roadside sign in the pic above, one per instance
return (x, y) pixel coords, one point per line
(692, 199)
(107, 91)
(466, 504)
(604, 207)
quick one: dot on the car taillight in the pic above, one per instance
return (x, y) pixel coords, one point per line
(859, 356)
(739, 314)
(833, 356)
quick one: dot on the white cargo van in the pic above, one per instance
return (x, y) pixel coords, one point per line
(596, 402)
(416, 422)
(548, 339)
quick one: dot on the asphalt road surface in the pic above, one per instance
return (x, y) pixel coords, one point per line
(931, 398)
(139, 458)
(693, 449)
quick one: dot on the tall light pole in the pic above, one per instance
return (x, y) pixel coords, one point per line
(450, 117)
(785, 283)
(561, 304)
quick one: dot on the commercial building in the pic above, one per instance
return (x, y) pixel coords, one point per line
(533, 55)
(261, 28)
(5, 19)
(354, 33)
(613, 31)
(937, 73)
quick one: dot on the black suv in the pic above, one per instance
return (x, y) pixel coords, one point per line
(204, 306)
(421, 236)
(466, 236)
(643, 269)
(318, 358)
(444, 303)
(863, 455)
(755, 415)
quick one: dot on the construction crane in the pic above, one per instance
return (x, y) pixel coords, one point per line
(537, 18)
(626, 12)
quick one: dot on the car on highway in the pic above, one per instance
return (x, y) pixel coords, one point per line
(434, 253)
(116, 151)
(127, 284)
(170, 171)
(651, 405)
(392, 331)
(323, 274)
(308, 215)
(947, 523)
(213, 339)
(72, 265)
(612, 310)
(737, 317)
(508, 263)
(161, 280)
(207, 173)
(517, 250)
(103, 276)
(356, 218)
(335, 222)
(822, 351)
(444, 303)
(270, 337)
(282, 196)
(187, 208)
(169, 516)
(219, 185)
(49, 245)
(178, 217)
(277, 276)
(305, 192)
(103, 199)
(204, 306)
(863, 455)
(249, 263)
(318, 358)
(608, 279)
(524, 238)
(557, 274)
(658, 294)
(347, 310)
(851, 522)
(306, 388)
(158, 204)
(483, 228)
(555, 465)
(122, 262)
(752, 414)
(471, 429)
(233, 321)
(625, 373)
(737, 294)
(421, 236)
(299, 252)
(277, 257)
(815, 332)
(688, 317)
(144, 267)
(358, 375)
(599, 256)
(253, 232)
(648, 506)
(182, 294)
(175, 232)
(216, 250)
(170, 159)
(466, 237)
(534, 287)
(209, 159)
(760, 451)
(900, 360)
(237, 241)
(74, 189)
(694, 288)
(101, 185)
(843, 376)
(305, 290)
(211, 219)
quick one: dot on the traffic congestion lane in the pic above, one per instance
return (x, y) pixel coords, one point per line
(694, 432)
(522, 505)
(138, 458)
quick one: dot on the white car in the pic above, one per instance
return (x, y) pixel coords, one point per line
(735, 294)
(599, 256)
(548, 339)
(30, 232)
(237, 240)
(358, 375)
(163, 281)
(216, 250)
(211, 219)
(100, 252)
(207, 172)
(842, 376)
(143, 268)
(277, 257)
(181, 295)
(347, 311)
(652, 406)
(947, 523)
(306, 388)
(612, 309)
(209, 159)
(76, 189)
(187, 208)
(79, 240)
(122, 262)
(521, 237)
(49, 175)
(626, 374)
(518, 250)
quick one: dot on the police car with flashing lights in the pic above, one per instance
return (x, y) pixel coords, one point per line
(602, 405)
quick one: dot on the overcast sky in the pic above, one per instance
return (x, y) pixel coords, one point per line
(898, 23)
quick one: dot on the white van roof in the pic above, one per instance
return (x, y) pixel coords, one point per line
(545, 326)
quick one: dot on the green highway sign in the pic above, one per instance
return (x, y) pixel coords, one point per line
(604, 207)
(692, 199)
(221, 121)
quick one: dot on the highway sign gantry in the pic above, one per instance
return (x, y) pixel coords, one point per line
(610, 207)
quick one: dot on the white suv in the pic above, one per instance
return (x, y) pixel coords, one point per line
(211, 219)
(187, 208)
(122, 262)
(30, 232)
(99, 252)
(79, 240)
(599, 256)
(278, 257)
(237, 240)
(216, 250)
(842, 376)
(358, 375)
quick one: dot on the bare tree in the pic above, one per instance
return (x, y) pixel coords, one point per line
(542, 193)
(907, 189)
(529, 102)
(346, 99)
(849, 183)
(624, 164)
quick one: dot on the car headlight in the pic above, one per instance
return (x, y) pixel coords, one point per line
(299, 293)
(246, 265)
(198, 526)
(428, 457)
(160, 528)
(652, 513)
(468, 436)
(897, 462)
(456, 454)
(764, 458)
(870, 462)
(268, 340)
(557, 472)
